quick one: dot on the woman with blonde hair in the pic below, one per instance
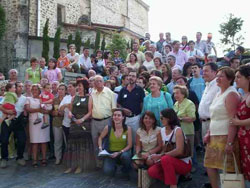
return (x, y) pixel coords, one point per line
(157, 100)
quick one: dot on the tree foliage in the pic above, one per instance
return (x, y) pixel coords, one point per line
(103, 43)
(230, 30)
(57, 40)
(97, 40)
(45, 52)
(87, 43)
(70, 40)
(118, 43)
(78, 41)
(2, 22)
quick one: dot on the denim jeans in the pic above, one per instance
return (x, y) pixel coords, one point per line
(110, 164)
(19, 133)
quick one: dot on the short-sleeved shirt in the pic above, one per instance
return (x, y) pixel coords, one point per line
(140, 57)
(10, 97)
(198, 86)
(181, 57)
(210, 46)
(149, 65)
(52, 75)
(73, 58)
(34, 76)
(46, 96)
(103, 103)
(118, 60)
(86, 62)
(148, 140)
(131, 100)
(186, 109)
(63, 62)
(66, 100)
(202, 46)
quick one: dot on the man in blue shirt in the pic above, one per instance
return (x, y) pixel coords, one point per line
(232, 54)
(197, 83)
(130, 98)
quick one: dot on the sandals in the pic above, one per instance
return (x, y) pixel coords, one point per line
(35, 164)
(44, 162)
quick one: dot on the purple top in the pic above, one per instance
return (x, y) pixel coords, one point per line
(52, 75)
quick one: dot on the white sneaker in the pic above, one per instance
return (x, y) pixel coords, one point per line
(58, 161)
(21, 162)
(3, 163)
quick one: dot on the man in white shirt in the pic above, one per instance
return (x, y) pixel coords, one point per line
(17, 126)
(152, 48)
(64, 107)
(73, 58)
(181, 57)
(85, 61)
(209, 75)
(193, 52)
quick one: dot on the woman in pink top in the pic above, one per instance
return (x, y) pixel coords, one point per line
(53, 73)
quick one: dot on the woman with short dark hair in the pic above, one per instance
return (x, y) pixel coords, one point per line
(80, 151)
(167, 165)
(148, 140)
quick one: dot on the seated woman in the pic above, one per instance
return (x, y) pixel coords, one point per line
(119, 137)
(148, 140)
(168, 165)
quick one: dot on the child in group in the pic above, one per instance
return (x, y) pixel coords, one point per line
(9, 101)
(46, 100)
(63, 61)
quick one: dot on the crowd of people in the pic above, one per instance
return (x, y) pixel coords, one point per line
(123, 112)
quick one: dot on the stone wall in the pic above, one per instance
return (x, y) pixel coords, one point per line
(74, 10)
(17, 26)
(132, 14)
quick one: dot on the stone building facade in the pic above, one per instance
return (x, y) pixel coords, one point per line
(26, 19)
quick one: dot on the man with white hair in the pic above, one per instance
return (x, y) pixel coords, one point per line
(176, 73)
(13, 73)
(152, 48)
(102, 101)
(91, 73)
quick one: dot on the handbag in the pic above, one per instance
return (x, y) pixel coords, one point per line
(169, 146)
(231, 180)
(144, 180)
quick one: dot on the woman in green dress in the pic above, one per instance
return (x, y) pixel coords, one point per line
(79, 155)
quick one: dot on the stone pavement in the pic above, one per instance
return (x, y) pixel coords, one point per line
(52, 177)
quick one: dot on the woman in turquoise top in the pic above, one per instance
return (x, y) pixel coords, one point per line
(119, 139)
(157, 100)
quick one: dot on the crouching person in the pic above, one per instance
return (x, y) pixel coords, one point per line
(148, 141)
(169, 164)
(117, 141)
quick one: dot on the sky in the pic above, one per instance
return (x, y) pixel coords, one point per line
(186, 17)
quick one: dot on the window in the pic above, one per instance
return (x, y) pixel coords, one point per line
(60, 14)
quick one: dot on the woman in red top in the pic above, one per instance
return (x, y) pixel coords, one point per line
(243, 120)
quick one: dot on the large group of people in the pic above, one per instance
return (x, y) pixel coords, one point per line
(124, 112)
